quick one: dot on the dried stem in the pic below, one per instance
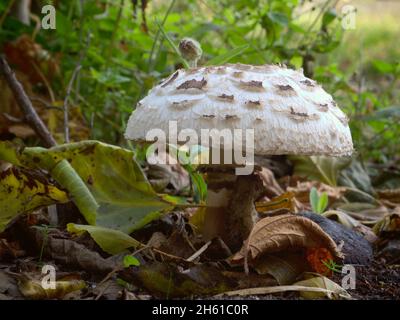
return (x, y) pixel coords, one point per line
(25, 104)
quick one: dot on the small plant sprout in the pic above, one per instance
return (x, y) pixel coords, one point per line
(131, 261)
(318, 202)
(333, 266)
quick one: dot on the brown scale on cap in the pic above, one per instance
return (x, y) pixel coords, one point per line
(323, 107)
(237, 74)
(344, 120)
(208, 116)
(193, 84)
(308, 83)
(253, 103)
(285, 90)
(252, 85)
(226, 97)
(220, 70)
(300, 114)
(184, 103)
(231, 117)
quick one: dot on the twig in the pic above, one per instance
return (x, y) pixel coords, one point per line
(25, 104)
(198, 252)
(45, 81)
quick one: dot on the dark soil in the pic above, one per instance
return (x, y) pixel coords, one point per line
(375, 282)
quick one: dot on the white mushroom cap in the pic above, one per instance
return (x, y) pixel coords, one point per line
(290, 113)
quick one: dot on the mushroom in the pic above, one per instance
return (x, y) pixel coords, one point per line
(289, 113)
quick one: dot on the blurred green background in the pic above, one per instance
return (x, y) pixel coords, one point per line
(124, 52)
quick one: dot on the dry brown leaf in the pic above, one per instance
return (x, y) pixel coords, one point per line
(272, 187)
(351, 223)
(280, 233)
(21, 130)
(389, 224)
(365, 213)
(392, 195)
(285, 267)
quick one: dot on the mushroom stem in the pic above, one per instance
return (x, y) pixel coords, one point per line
(230, 212)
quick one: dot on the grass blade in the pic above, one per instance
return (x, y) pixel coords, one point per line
(223, 58)
(172, 44)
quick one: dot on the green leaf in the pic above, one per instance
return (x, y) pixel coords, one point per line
(324, 169)
(278, 18)
(322, 203)
(125, 197)
(383, 66)
(10, 152)
(199, 185)
(130, 261)
(223, 58)
(314, 199)
(328, 17)
(109, 240)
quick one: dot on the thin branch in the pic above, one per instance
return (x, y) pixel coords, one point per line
(25, 104)
(198, 252)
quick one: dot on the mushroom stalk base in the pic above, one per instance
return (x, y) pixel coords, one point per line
(230, 212)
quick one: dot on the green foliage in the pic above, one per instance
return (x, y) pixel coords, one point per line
(320, 168)
(131, 261)
(318, 202)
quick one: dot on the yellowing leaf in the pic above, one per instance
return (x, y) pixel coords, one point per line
(34, 290)
(197, 219)
(284, 201)
(332, 289)
(110, 240)
(109, 180)
(21, 191)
